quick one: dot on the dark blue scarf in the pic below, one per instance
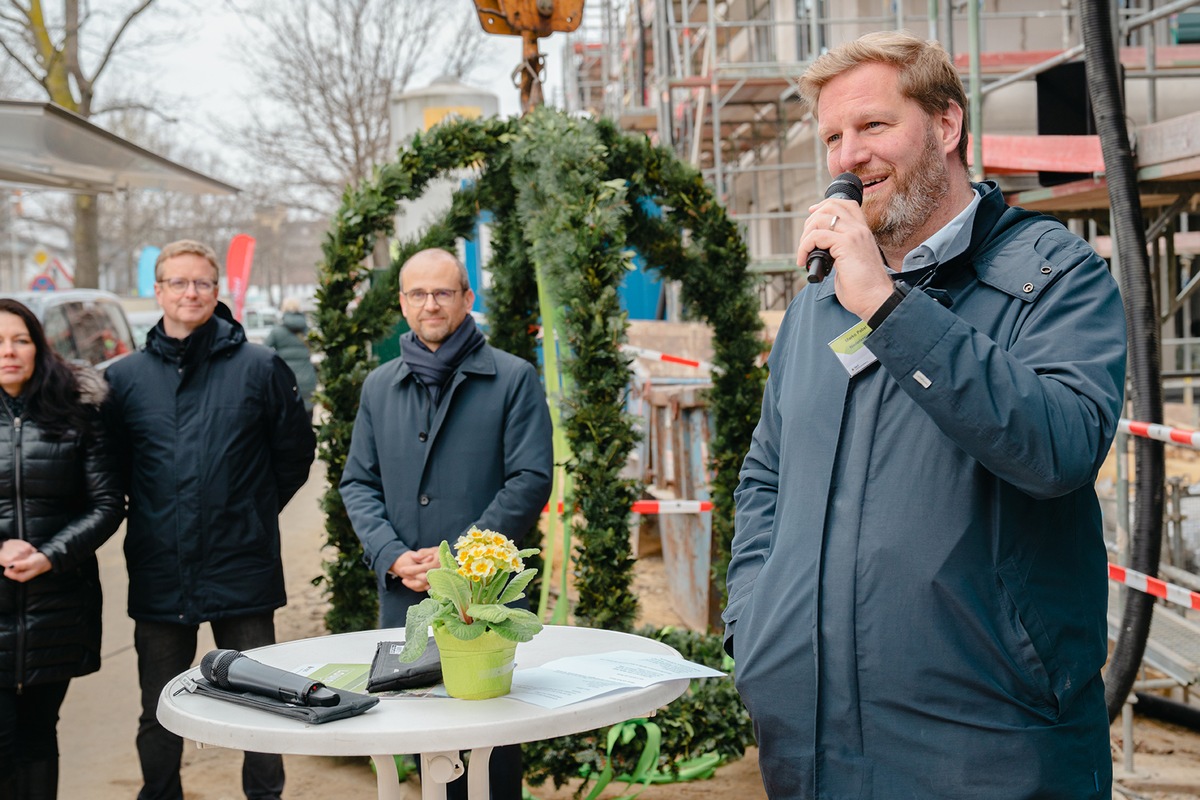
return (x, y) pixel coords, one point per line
(434, 368)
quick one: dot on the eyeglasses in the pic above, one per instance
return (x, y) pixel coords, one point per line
(440, 296)
(180, 285)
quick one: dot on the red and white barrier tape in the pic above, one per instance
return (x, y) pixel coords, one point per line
(672, 506)
(665, 357)
(653, 354)
(662, 506)
(1132, 578)
(1162, 433)
(1154, 586)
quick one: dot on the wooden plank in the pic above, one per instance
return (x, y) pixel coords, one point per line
(1086, 193)
(1178, 56)
(1169, 140)
(1007, 154)
(687, 538)
(1179, 169)
(1186, 243)
(1090, 193)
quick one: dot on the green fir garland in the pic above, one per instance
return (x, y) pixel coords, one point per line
(716, 287)
(574, 226)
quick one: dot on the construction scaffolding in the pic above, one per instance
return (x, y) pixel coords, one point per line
(717, 83)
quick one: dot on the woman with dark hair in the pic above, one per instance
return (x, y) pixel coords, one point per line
(60, 499)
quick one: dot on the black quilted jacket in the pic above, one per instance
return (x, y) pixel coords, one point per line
(63, 497)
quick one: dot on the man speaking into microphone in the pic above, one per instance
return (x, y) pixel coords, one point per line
(917, 587)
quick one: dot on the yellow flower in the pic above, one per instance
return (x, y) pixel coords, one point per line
(485, 557)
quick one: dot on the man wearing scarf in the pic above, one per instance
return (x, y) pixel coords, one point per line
(454, 433)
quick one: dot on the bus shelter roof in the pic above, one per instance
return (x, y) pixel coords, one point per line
(44, 145)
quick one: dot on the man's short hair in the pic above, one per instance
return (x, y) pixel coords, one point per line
(185, 247)
(927, 75)
(463, 278)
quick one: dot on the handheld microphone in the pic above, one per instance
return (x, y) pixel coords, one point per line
(231, 670)
(846, 186)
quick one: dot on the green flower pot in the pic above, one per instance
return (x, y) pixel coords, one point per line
(476, 669)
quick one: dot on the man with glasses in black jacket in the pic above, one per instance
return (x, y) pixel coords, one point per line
(214, 440)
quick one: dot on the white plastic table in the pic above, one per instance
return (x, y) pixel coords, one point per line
(436, 728)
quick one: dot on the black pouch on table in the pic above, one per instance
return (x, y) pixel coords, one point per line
(389, 673)
(351, 704)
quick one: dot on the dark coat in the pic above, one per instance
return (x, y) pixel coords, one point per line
(211, 451)
(417, 474)
(917, 590)
(69, 496)
(288, 341)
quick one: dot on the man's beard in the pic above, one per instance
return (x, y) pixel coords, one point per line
(916, 197)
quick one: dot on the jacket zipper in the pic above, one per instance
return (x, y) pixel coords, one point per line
(17, 503)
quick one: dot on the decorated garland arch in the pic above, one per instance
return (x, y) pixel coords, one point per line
(569, 201)
(567, 197)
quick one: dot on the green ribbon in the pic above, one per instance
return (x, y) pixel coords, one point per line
(625, 732)
(646, 771)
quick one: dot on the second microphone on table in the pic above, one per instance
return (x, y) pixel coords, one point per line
(846, 186)
(232, 670)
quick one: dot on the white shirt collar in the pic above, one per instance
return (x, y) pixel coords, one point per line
(952, 239)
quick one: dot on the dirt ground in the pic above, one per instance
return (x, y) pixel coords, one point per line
(99, 719)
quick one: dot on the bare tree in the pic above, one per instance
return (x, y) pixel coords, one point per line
(14, 83)
(135, 219)
(52, 48)
(462, 52)
(330, 68)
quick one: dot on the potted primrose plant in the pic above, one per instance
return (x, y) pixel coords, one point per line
(468, 606)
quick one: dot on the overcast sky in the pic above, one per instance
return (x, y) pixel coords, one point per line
(202, 75)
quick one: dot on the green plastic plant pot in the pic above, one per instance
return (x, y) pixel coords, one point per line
(478, 668)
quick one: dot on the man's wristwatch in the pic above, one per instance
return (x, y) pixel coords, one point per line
(900, 290)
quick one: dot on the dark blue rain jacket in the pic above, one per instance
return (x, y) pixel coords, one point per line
(917, 591)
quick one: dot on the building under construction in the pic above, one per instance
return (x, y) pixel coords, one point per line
(716, 81)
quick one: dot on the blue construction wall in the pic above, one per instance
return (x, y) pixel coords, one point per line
(640, 292)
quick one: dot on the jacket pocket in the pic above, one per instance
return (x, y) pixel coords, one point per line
(1023, 629)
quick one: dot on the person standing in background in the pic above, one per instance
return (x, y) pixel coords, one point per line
(454, 433)
(214, 441)
(289, 340)
(60, 499)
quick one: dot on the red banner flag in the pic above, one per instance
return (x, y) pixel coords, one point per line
(238, 261)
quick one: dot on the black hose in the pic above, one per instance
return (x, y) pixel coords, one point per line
(1160, 708)
(1144, 368)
